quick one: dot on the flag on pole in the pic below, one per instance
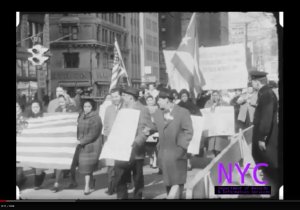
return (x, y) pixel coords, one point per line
(48, 142)
(118, 70)
(186, 58)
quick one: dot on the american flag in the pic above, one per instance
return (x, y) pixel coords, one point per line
(118, 67)
(49, 141)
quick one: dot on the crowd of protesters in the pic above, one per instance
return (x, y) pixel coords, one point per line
(149, 100)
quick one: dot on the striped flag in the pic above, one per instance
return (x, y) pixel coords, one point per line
(48, 142)
(186, 58)
(118, 70)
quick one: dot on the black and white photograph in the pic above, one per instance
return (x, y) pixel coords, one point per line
(148, 105)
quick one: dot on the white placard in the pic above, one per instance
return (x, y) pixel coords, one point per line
(122, 135)
(224, 67)
(218, 123)
(194, 145)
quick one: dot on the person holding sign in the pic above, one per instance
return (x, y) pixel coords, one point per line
(216, 143)
(175, 130)
(123, 169)
(186, 102)
(109, 119)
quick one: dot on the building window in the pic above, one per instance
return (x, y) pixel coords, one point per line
(132, 63)
(67, 30)
(31, 69)
(104, 35)
(71, 60)
(148, 23)
(163, 29)
(154, 26)
(74, 33)
(111, 37)
(155, 41)
(155, 56)
(148, 39)
(25, 72)
(111, 17)
(119, 19)
(25, 69)
(105, 61)
(98, 59)
(125, 40)
(33, 29)
(104, 16)
(124, 21)
(19, 67)
(119, 39)
(149, 55)
(111, 61)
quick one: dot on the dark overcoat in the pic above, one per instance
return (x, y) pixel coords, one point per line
(266, 127)
(89, 134)
(174, 137)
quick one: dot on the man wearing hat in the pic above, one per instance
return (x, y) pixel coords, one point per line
(175, 130)
(135, 165)
(265, 131)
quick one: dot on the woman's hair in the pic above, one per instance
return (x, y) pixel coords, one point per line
(91, 101)
(62, 96)
(174, 91)
(115, 90)
(38, 102)
(149, 96)
(184, 91)
(143, 90)
(31, 114)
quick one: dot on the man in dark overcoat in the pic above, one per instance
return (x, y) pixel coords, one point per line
(174, 125)
(265, 130)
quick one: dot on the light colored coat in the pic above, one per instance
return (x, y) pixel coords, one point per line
(248, 106)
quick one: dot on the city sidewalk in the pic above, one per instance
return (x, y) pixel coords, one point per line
(154, 187)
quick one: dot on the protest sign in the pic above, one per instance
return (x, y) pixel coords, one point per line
(122, 135)
(194, 145)
(223, 67)
(219, 122)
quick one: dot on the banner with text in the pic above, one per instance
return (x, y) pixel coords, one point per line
(122, 135)
(223, 67)
(218, 122)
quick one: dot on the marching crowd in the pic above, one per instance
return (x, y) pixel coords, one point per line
(163, 134)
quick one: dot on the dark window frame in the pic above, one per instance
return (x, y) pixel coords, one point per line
(71, 60)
